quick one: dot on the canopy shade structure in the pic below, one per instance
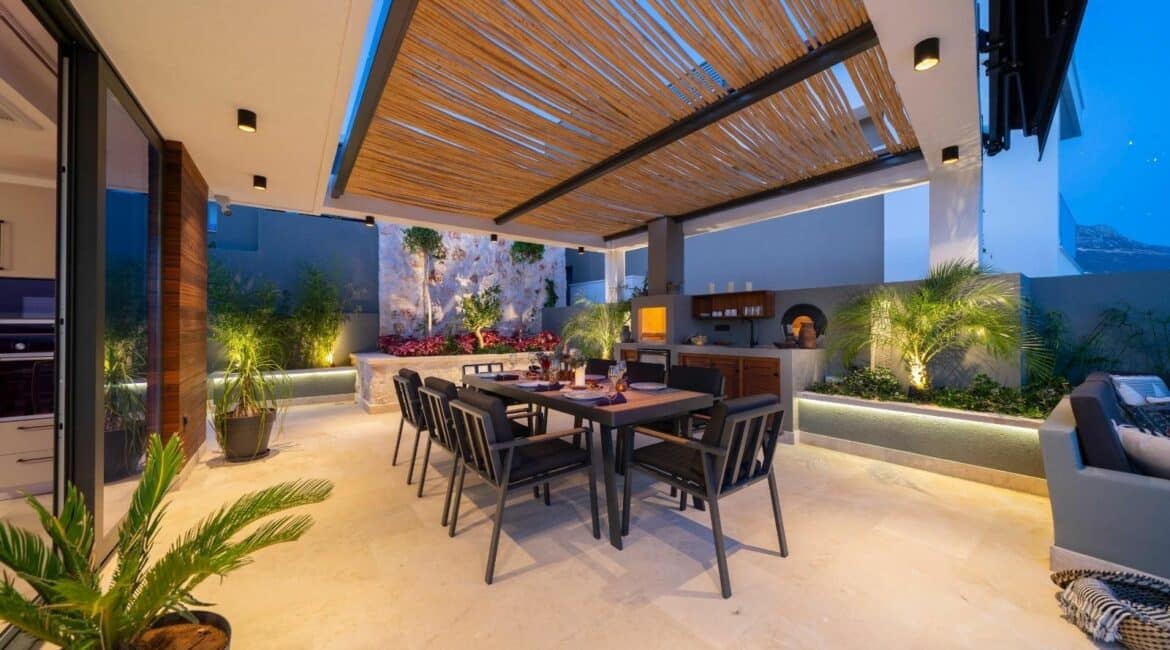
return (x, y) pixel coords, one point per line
(598, 116)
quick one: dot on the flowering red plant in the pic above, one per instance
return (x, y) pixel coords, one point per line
(407, 346)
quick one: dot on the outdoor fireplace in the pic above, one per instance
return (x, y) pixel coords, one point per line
(655, 319)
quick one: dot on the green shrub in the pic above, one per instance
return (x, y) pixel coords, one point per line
(481, 311)
(523, 252)
(318, 317)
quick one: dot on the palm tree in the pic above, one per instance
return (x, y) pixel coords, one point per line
(957, 307)
(597, 327)
(77, 608)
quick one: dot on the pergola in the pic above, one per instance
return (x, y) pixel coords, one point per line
(600, 117)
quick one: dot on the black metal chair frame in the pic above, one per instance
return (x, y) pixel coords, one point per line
(513, 408)
(493, 462)
(744, 437)
(436, 409)
(411, 413)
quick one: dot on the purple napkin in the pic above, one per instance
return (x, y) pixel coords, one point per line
(605, 401)
(507, 377)
(547, 387)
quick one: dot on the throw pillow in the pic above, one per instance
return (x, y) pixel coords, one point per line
(1150, 454)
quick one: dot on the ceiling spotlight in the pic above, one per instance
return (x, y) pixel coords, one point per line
(950, 155)
(495, 237)
(580, 250)
(246, 120)
(369, 221)
(259, 182)
(926, 54)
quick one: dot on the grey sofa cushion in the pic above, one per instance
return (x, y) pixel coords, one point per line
(1151, 454)
(1095, 407)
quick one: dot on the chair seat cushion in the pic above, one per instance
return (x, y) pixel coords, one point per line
(671, 459)
(547, 456)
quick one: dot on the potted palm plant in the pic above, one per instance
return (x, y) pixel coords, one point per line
(125, 407)
(248, 405)
(143, 604)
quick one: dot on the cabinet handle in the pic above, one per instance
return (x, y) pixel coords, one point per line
(35, 459)
(35, 427)
(2, 224)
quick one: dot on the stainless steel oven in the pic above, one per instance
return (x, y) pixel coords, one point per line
(27, 401)
(660, 356)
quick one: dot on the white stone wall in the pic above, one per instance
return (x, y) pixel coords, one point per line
(473, 263)
(376, 371)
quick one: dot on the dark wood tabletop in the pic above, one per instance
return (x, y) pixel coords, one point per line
(640, 406)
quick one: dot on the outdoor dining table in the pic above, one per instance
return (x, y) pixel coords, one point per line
(640, 407)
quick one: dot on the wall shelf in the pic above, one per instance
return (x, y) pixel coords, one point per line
(748, 305)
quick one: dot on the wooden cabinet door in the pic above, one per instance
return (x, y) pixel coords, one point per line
(694, 360)
(761, 376)
(729, 366)
(629, 355)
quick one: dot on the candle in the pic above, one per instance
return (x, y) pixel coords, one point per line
(730, 286)
(748, 285)
(710, 287)
(579, 376)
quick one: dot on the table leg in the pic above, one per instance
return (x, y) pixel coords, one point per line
(612, 516)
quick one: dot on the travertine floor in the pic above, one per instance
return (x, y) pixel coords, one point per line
(881, 556)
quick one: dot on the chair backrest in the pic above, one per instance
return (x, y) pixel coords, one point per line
(487, 366)
(747, 429)
(435, 400)
(481, 420)
(1095, 407)
(598, 366)
(406, 385)
(644, 371)
(700, 380)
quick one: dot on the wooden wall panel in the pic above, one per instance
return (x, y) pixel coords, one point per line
(184, 305)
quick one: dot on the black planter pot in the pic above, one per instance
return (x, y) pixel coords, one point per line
(123, 453)
(204, 618)
(246, 438)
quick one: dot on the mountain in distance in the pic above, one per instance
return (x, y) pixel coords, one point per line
(1101, 249)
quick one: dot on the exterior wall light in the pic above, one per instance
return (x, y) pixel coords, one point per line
(246, 120)
(495, 237)
(950, 155)
(926, 54)
(580, 250)
(259, 182)
(369, 221)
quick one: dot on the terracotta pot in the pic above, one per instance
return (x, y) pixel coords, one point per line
(173, 631)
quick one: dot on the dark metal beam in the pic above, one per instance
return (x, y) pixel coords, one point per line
(393, 33)
(882, 162)
(817, 60)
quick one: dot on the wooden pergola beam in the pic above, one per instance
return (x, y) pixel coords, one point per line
(816, 61)
(881, 162)
(393, 33)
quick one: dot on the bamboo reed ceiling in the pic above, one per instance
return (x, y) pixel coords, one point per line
(491, 102)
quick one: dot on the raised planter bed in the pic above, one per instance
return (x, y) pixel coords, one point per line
(986, 447)
(375, 372)
(309, 386)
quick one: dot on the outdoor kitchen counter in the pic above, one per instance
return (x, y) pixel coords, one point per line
(797, 369)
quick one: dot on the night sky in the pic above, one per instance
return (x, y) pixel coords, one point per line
(1118, 171)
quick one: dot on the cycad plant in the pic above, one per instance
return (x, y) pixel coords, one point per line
(596, 328)
(957, 307)
(78, 609)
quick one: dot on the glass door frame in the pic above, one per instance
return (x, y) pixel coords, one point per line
(86, 78)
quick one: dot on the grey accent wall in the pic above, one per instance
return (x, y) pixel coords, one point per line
(276, 245)
(835, 245)
(586, 268)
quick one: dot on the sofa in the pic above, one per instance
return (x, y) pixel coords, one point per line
(1105, 513)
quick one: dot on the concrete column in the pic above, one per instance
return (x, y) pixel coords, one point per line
(615, 274)
(664, 268)
(956, 195)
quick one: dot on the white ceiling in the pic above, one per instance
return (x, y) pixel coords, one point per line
(192, 64)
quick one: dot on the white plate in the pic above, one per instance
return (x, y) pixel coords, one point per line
(584, 395)
(529, 384)
(647, 385)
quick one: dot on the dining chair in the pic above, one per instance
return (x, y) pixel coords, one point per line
(435, 397)
(507, 462)
(641, 371)
(736, 451)
(406, 385)
(599, 366)
(476, 368)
